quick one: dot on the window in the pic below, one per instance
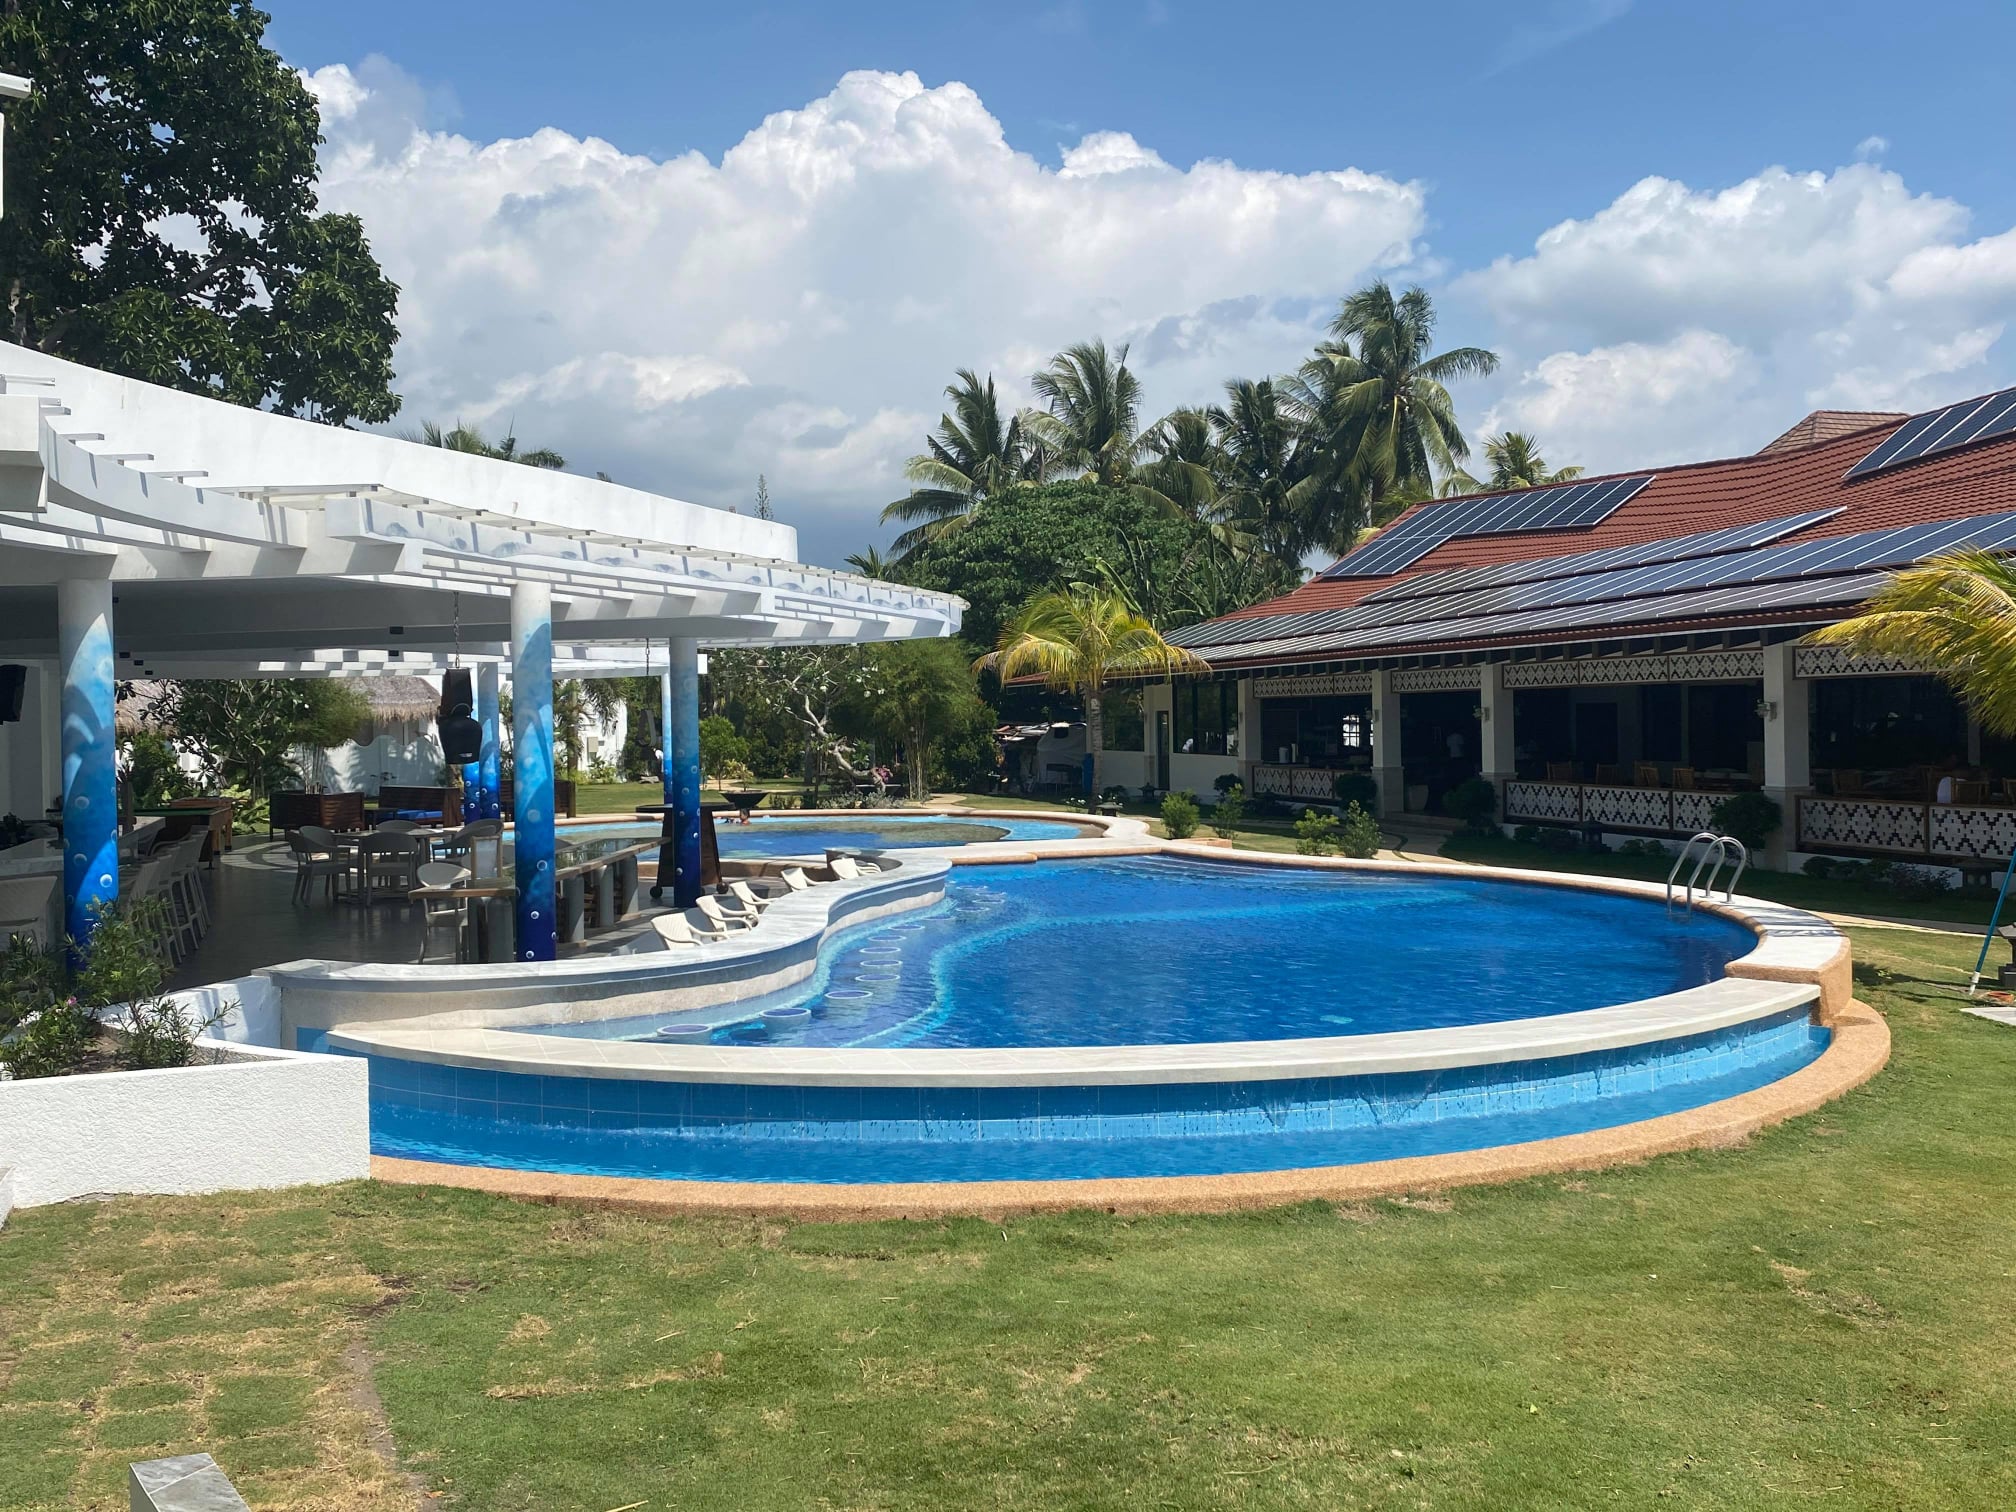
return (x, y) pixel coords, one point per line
(1120, 715)
(1207, 718)
(1353, 729)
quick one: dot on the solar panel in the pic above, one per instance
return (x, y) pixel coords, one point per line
(1941, 430)
(1566, 506)
(1674, 548)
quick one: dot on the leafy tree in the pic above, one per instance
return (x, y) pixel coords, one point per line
(244, 730)
(1078, 642)
(973, 455)
(913, 694)
(467, 438)
(161, 217)
(1376, 400)
(1094, 410)
(1955, 615)
(720, 745)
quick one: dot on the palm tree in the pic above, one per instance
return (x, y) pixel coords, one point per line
(467, 438)
(1955, 615)
(1515, 463)
(1078, 641)
(1182, 477)
(869, 563)
(973, 455)
(1382, 407)
(1095, 406)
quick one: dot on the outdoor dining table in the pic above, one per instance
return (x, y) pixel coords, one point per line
(485, 901)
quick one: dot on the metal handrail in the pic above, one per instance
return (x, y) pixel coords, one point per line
(1715, 853)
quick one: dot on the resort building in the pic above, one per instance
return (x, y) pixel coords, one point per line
(1625, 651)
(147, 533)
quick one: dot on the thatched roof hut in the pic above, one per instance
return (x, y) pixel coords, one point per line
(391, 699)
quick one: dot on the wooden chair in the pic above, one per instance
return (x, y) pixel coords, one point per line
(1645, 774)
(1848, 781)
(1609, 772)
(1967, 790)
(1561, 771)
(1683, 779)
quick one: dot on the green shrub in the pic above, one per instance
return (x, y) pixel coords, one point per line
(1751, 817)
(719, 745)
(1643, 848)
(1230, 814)
(154, 774)
(1559, 841)
(1824, 868)
(1475, 802)
(1224, 782)
(1359, 835)
(1527, 834)
(1179, 816)
(1316, 834)
(1355, 787)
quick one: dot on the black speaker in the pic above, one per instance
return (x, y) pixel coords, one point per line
(13, 682)
(461, 738)
(456, 695)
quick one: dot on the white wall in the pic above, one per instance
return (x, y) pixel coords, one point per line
(278, 1119)
(405, 753)
(1197, 774)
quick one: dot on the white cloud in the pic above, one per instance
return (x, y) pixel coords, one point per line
(1562, 22)
(1872, 146)
(795, 308)
(1678, 323)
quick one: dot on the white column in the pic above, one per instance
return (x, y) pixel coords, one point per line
(1387, 769)
(1788, 771)
(1249, 732)
(1499, 758)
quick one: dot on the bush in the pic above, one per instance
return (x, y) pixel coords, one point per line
(1644, 848)
(154, 773)
(719, 744)
(1316, 834)
(1527, 834)
(1179, 816)
(1560, 841)
(1822, 868)
(1230, 813)
(1359, 836)
(1917, 883)
(1355, 787)
(1751, 817)
(1475, 802)
(1224, 782)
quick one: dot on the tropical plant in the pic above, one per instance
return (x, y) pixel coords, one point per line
(161, 217)
(1316, 834)
(1954, 615)
(1229, 816)
(1355, 787)
(243, 731)
(974, 454)
(1094, 408)
(468, 438)
(1515, 463)
(1751, 817)
(1358, 836)
(1179, 816)
(913, 694)
(1080, 640)
(1475, 802)
(870, 563)
(1376, 400)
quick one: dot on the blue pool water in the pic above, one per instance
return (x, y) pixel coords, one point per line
(766, 836)
(1154, 950)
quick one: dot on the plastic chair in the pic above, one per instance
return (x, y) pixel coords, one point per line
(676, 929)
(795, 879)
(389, 859)
(702, 924)
(311, 862)
(441, 915)
(747, 896)
(710, 905)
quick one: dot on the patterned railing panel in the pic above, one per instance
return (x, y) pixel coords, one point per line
(1974, 834)
(1560, 802)
(1694, 812)
(1611, 671)
(1295, 782)
(1838, 661)
(1862, 824)
(1629, 807)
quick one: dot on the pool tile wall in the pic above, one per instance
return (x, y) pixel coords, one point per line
(733, 1131)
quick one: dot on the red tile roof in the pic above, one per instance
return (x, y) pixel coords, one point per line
(1703, 496)
(1829, 425)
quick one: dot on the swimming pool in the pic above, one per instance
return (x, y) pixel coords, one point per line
(1126, 1017)
(1150, 950)
(767, 836)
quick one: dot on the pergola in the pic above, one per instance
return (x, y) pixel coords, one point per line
(146, 532)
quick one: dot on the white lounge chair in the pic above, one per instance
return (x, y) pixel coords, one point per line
(705, 926)
(674, 930)
(795, 879)
(852, 868)
(749, 897)
(712, 906)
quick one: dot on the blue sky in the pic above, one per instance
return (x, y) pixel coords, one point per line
(1479, 127)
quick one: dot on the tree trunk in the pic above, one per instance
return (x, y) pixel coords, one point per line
(920, 764)
(1095, 740)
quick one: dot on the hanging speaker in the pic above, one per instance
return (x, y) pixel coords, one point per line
(461, 738)
(456, 697)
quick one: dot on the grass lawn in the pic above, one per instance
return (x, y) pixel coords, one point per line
(1821, 1318)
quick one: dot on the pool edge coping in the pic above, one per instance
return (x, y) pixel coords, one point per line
(1858, 1048)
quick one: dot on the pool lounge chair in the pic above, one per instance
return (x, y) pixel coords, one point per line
(795, 879)
(710, 905)
(705, 925)
(675, 930)
(850, 868)
(748, 896)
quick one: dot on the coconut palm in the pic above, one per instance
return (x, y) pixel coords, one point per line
(1181, 477)
(1078, 641)
(1515, 463)
(973, 454)
(467, 438)
(1379, 402)
(1094, 408)
(1954, 615)
(869, 563)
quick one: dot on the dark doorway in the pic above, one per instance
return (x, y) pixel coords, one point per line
(1438, 746)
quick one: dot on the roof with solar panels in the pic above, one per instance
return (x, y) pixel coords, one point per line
(1798, 534)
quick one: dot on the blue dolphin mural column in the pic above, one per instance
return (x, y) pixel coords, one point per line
(682, 765)
(490, 764)
(90, 777)
(532, 770)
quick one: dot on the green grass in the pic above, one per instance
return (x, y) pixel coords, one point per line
(1818, 1319)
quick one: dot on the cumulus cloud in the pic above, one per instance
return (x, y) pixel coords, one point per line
(796, 307)
(1678, 322)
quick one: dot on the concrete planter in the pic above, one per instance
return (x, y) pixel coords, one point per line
(269, 1118)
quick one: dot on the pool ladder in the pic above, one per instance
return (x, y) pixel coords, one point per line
(1716, 850)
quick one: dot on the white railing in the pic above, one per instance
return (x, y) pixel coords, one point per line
(1317, 783)
(1663, 811)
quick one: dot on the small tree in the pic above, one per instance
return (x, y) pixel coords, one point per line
(1358, 836)
(243, 730)
(1179, 816)
(1230, 814)
(1316, 834)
